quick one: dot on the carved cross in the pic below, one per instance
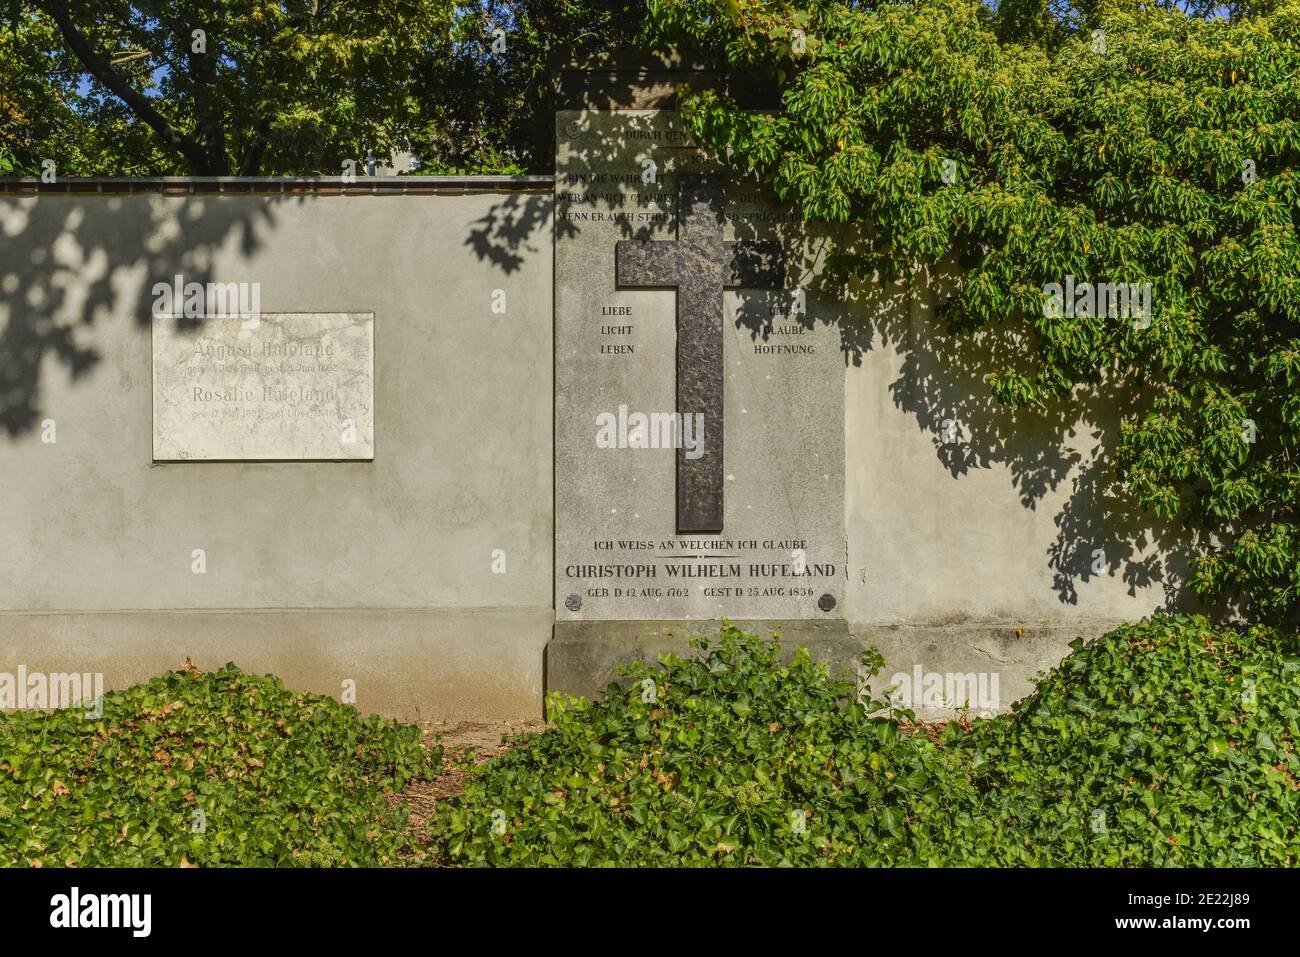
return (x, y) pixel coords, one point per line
(699, 265)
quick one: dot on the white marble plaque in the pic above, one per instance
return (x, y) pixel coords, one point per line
(283, 386)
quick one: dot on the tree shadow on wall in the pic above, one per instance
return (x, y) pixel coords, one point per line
(510, 230)
(1061, 448)
(70, 263)
(514, 229)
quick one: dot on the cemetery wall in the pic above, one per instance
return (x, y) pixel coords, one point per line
(975, 540)
(424, 576)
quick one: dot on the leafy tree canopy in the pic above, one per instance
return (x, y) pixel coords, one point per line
(490, 105)
(249, 87)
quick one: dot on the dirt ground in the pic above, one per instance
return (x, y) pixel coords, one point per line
(458, 737)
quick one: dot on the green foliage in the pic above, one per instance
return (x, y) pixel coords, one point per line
(1169, 742)
(704, 765)
(281, 778)
(293, 87)
(715, 760)
(489, 107)
(38, 102)
(108, 88)
(1162, 150)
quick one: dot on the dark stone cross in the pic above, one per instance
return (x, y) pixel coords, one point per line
(699, 264)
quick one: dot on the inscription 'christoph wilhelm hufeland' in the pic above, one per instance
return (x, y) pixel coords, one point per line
(704, 570)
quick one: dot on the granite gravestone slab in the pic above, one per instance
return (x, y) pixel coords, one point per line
(289, 386)
(699, 402)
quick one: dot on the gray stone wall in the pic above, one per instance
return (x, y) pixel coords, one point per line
(979, 541)
(424, 576)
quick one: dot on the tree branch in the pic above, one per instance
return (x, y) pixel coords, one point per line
(256, 149)
(137, 102)
(207, 111)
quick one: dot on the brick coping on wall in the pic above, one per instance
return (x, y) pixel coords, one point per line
(325, 185)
